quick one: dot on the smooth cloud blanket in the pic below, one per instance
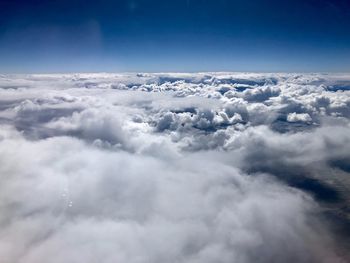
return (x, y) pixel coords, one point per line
(206, 167)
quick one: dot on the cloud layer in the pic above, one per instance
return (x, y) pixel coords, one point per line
(206, 167)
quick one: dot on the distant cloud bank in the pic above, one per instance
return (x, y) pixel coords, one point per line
(205, 167)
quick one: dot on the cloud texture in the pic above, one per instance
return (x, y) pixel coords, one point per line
(214, 167)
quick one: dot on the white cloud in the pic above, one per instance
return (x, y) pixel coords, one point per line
(301, 117)
(206, 167)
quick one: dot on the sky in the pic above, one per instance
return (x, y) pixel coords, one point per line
(179, 36)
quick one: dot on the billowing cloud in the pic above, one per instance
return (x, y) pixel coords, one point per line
(299, 117)
(212, 167)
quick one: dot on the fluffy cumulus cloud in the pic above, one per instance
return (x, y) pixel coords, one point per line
(301, 117)
(206, 167)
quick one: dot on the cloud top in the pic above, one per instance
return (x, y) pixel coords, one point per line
(205, 167)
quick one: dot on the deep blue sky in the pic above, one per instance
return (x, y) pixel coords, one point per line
(177, 35)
